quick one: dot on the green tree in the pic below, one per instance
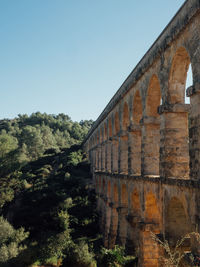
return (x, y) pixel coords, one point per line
(8, 143)
(11, 240)
(32, 137)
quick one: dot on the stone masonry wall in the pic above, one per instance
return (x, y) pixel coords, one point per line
(144, 148)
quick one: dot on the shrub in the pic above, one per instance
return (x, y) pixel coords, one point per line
(10, 240)
(78, 255)
(112, 257)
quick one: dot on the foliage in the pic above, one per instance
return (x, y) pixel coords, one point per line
(115, 257)
(9, 186)
(112, 257)
(43, 177)
(56, 208)
(28, 137)
(78, 255)
(10, 240)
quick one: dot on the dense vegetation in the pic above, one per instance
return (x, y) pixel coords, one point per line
(47, 204)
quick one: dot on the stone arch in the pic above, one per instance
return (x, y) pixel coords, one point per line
(117, 123)
(151, 129)
(176, 220)
(135, 136)
(125, 122)
(175, 159)
(178, 75)
(153, 97)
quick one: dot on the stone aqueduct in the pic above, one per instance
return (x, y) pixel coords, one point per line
(144, 148)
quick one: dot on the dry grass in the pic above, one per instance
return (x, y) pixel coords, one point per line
(174, 255)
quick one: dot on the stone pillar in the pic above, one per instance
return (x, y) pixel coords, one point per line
(106, 155)
(107, 222)
(98, 193)
(93, 160)
(115, 154)
(109, 152)
(133, 234)
(102, 157)
(174, 143)
(194, 131)
(113, 226)
(102, 214)
(150, 146)
(90, 160)
(123, 153)
(122, 225)
(134, 150)
(149, 250)
(99, 157)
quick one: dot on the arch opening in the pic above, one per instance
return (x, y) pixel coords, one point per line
(189, 82)
(176, 222)
(178, 76)
(153, 97)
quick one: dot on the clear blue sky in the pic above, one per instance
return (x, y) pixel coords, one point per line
(70, 56)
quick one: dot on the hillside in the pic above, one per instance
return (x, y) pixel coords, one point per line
(47, 201)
